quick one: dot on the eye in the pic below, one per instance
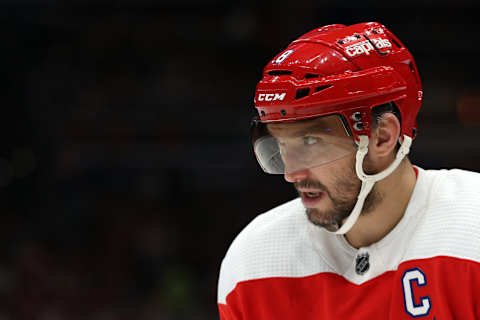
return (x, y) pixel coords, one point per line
(309, 140)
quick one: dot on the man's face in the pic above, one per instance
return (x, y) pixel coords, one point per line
(329, 191)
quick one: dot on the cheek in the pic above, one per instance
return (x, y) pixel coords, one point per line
(348, 186)
(345, 178)
(337, 173)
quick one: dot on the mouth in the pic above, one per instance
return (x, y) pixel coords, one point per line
(310, 197)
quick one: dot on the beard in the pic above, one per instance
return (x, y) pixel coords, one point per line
(343, 196)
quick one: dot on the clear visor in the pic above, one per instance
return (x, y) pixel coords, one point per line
(293, 146)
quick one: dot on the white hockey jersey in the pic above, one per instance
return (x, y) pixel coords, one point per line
(428, 267)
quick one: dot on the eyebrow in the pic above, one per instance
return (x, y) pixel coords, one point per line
(303, 131)
(312, 129)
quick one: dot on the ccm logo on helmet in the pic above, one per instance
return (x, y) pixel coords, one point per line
(271, 96)
(365, 47)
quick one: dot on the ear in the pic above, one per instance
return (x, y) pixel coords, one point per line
(384, 138)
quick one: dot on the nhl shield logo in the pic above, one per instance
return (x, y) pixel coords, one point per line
(362, 263)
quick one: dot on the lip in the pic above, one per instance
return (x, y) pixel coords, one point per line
(311, 202)
(308, 190)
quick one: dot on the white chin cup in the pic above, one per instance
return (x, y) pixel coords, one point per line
(369, 180)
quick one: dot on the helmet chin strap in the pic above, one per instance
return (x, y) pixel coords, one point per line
(369, 180)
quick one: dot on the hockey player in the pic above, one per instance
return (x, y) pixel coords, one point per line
(371, 236)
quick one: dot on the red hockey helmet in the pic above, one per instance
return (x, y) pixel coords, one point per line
(336, 70)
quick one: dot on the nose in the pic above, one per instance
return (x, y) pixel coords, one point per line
(296, 175)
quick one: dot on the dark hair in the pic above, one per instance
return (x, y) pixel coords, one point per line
(380, 110)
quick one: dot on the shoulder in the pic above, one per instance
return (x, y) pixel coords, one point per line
(456, 179)
(451, 216)
(454, 188)
(266, 235)
(269, 246)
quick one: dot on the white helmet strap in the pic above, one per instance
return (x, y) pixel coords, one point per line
(369, 180)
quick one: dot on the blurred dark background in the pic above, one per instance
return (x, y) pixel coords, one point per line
(125, 166)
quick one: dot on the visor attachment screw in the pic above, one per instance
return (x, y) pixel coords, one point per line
(357, 116)
(358, 126)
(283, 112)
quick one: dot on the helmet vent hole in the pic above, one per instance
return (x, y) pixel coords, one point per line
(396, 43)
(311, 75)
(302, 93)
(320, 88)
(279, 72)
(283, 112)
(411, 67)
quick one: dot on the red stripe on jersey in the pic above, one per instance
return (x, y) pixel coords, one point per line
(451, 285)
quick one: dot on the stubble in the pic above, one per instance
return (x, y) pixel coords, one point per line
(343, 195)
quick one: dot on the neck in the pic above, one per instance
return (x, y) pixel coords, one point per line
(395, 191)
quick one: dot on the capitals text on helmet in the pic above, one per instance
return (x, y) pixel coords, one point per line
(365, 47)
